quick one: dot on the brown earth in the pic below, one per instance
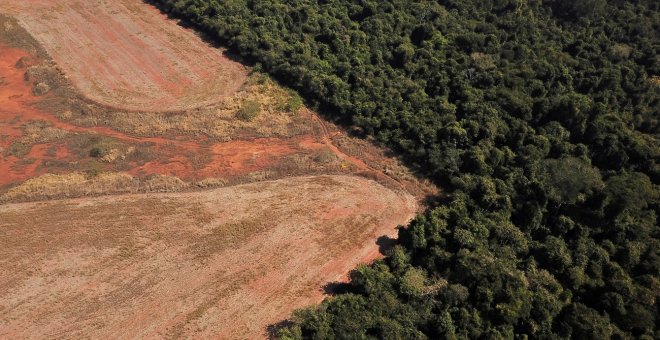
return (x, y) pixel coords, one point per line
(221, 263)
(120, 53)
(202, 262)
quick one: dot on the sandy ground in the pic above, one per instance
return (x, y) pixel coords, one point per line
(119, 53)
(224, 263)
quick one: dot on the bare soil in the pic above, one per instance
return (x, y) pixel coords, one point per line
(120, 53)
(114, 98)
(51, 134)
(222, 263)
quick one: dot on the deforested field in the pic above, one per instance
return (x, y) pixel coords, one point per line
(222, 263)
(127, 54)
(152, 187)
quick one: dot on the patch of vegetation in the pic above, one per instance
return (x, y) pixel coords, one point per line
(98, 151)
(40, 89)
(18, 149)
(45, 77)
(35, 132)
(325, 156)
(100, 148)
(249, 111)
(539, 118)
(94, 181)
(291, 103)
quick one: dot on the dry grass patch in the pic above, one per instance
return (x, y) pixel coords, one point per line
(325, 156)
(44, 77)
(162, 183)
(261, 109)
(106, 149)
(70, 185)
(35, 132)
(211, 183)
(249, 111)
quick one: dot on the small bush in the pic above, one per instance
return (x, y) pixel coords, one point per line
(101, 148)
(292, 103)
(98, 151)
(18, 149)
(249, 111)
(325, 156)
(40, 89)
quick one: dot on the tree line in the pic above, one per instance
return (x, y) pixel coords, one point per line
(538, 117)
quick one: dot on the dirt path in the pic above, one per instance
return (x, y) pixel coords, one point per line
(223, 263)
(119, 53)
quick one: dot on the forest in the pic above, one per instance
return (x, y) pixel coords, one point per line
(538, 118)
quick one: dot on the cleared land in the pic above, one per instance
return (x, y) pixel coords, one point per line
(218, 258)
(121, 53)
(223, 263)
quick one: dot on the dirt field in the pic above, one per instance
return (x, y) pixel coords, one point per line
(180, 246)
(119, 53)
(224, 263)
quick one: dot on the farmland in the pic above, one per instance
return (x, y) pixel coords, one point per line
(222, 263)
(122, 54)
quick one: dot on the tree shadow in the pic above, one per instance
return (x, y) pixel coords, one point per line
(385, 244)
(273, 329)
(336, 288)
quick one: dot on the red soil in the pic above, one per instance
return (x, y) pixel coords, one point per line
(238, 157)
(234, 158)
(176, 156)
(15, 93)
(15, 100)
(119, 53)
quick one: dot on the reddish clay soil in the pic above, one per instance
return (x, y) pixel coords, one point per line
(13, 100)
(189, 158)
(222, 263)
(17, 107)
(124, 54)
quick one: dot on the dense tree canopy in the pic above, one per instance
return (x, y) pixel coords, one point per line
(539, 117)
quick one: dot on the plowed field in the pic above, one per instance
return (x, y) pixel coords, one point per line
(126, 54)
(222, 263)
